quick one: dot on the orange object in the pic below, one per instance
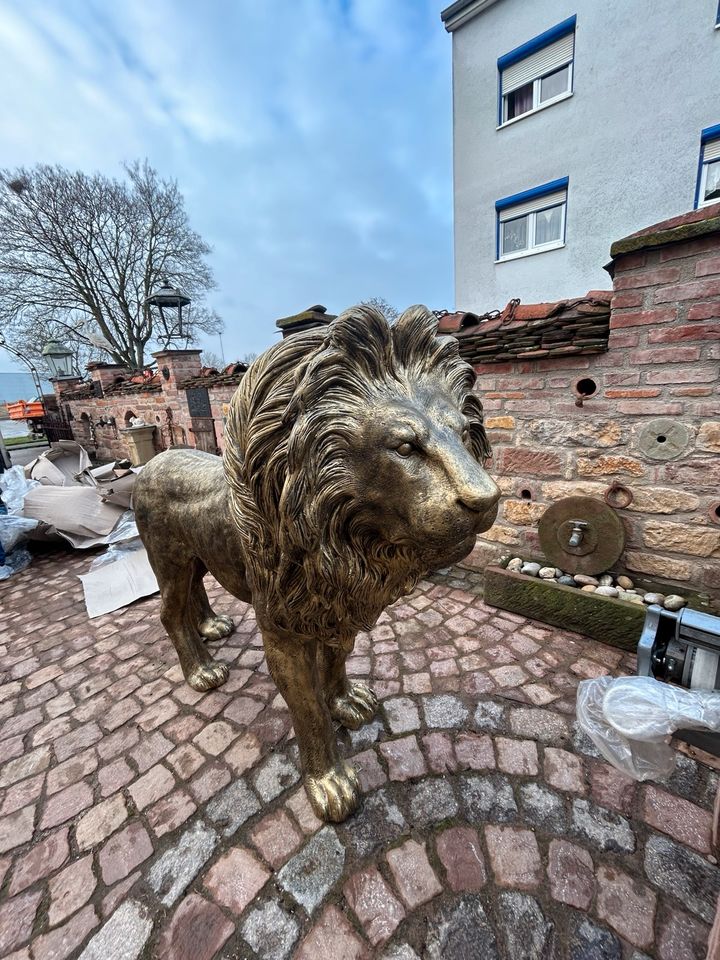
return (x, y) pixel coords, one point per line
(25, 411)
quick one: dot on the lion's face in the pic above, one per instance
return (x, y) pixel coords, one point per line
(416, 478)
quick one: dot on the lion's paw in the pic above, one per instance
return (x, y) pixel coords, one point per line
(334, 795)
(216, 627)
(355, 707)
(207, 676)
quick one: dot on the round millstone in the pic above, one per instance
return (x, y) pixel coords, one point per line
(674, 602)
(531, 569)
(605, 591)
(625, 582)
(654, 598)
(567, 581)
(586, 581)
(546, 573)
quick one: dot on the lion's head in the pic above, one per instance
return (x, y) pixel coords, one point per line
(355, 460)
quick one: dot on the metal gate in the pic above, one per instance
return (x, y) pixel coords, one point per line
(55, 427)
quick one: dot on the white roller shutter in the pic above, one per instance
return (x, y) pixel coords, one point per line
(711, 150)
(538, 64)
(530, 206)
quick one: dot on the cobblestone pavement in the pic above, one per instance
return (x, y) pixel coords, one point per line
(139, 818)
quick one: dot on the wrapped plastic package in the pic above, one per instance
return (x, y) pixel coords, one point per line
(630, 721)
(14, 487)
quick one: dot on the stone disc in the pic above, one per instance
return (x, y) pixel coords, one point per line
(603, 537)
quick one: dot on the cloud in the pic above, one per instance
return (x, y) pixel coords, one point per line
(311, 138)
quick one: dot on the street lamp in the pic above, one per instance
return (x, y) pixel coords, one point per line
(59, 360)
(168, 297)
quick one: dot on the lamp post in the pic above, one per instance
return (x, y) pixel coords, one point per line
(59, 360)
(168, 298)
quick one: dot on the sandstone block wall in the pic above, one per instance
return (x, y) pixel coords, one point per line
(565, 427)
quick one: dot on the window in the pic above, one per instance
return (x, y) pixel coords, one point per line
(532, 221)
(538, 73)
(708, 185)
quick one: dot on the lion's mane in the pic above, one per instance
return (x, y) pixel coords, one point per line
(314, 567)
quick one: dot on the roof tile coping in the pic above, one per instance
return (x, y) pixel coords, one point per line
(688, 226)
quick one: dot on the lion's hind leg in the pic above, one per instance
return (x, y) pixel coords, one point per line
(350, 703)
(211, 625)
(177, 613)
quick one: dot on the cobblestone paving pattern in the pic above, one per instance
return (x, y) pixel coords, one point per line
(139, 818)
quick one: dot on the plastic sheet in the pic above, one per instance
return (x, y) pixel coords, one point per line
(13, 530)
(15, 562)
(120, 547)
(630, 721)
(14, 487)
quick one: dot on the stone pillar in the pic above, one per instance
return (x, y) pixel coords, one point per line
(106, 374)
(175, 367)
(316, 316)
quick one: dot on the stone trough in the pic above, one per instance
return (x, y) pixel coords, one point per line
(607, 619)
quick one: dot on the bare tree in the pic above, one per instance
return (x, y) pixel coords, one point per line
(387, 309)
(249, 357)
(210, 359)
(82, 252)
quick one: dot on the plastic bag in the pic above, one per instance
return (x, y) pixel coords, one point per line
(15, 562)
(14, 529)
(124, 529)
(630, 720)
(14, 486)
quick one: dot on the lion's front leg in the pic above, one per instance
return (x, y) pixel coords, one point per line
(331, 784)
(351, 703)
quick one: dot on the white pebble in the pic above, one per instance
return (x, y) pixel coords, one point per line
(605, 591)
(515, 564)
(584, 579)
(654, 598)
(546, 572)
(606, 580)
(674, 602)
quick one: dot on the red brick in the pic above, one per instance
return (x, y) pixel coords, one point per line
(43, 859)
(373, 902)
(646, 278)
(517, 756)
(332, 936)
(651, 408)
(691, 290)
(277, 838)
(690, 248)
(63, 941)
(414, 877)
(474, 751)
(627, 905)
(571, 874)
(666, 355)
(404, 758)
(460, 853)
(704, 311)
(16, 920)
(123, 852)
(621, 301)
(197, 931)
(641, 393)
(681, 334)
(622, 341)
(66, 804)
(514, 857)
(70, 890)
(630, 261)
(680, 819)
(692, 392)
(705, 268)
(236, 879)
(520, 461)
(692, 374)
(618, 321)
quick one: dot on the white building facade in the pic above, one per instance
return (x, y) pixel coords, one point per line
(575, 123)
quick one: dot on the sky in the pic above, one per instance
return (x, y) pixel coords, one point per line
(311, 138)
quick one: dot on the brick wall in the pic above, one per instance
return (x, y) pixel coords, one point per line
(550, 441)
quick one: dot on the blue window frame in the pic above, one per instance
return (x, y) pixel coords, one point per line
(537, 73)
(707, 188)
(532, 221)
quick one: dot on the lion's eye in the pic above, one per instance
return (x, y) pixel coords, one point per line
(405, 449)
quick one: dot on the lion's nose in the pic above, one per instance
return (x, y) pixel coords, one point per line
(480, 500)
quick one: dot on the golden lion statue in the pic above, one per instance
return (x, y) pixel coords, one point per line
(353, 465)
